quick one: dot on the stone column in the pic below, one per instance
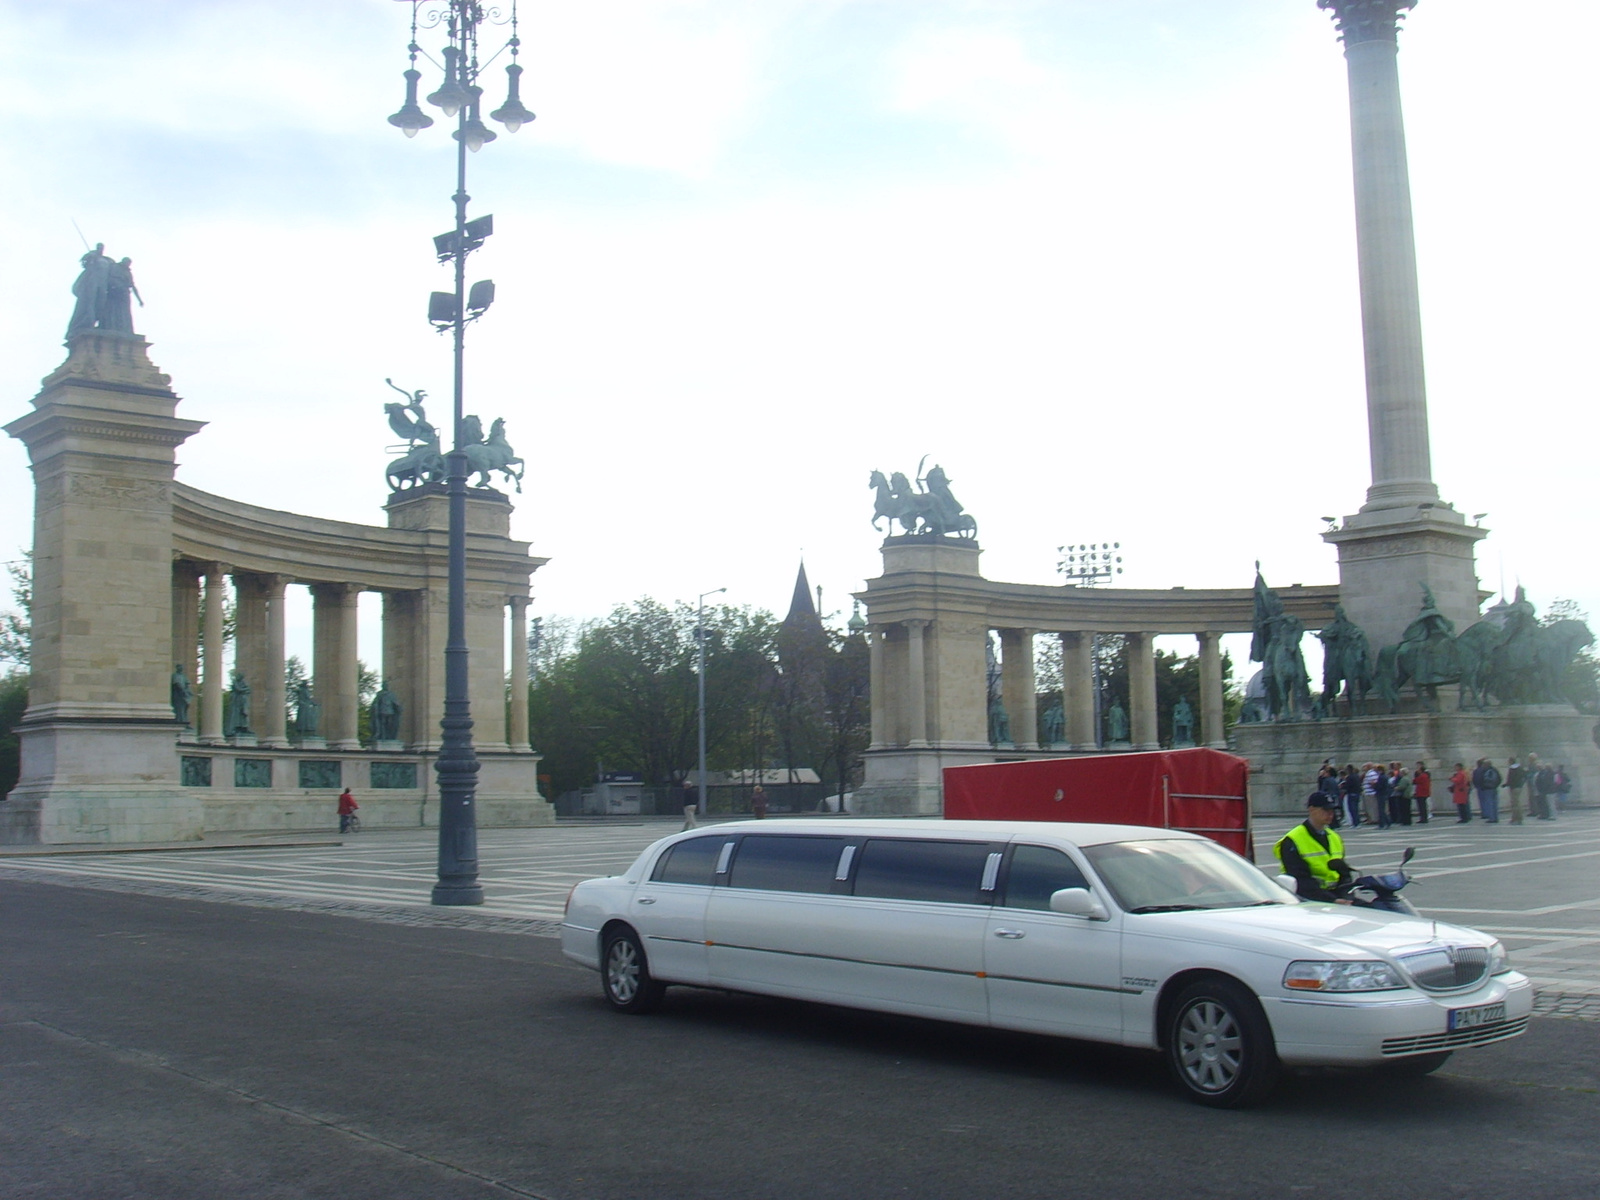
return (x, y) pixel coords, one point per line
(1211, 713)
(186, 626)
(916, 685)
(1142, 712)
(250, 640)
(212, 681)
(1077, 687)
(270, 715)
(879, 688)
(334, 662)
(1017, 688)
(1391, 314)
(517, 736)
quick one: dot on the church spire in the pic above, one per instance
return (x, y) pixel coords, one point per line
(802, 608)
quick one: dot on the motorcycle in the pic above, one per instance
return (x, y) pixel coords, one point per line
(1378, 891)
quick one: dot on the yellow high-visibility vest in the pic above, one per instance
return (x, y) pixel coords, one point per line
(1313, 852)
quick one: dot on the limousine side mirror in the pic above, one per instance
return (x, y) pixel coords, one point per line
(1287, 883)
(1077, 902)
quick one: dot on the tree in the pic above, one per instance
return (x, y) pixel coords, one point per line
(16, 628)
(13, 703)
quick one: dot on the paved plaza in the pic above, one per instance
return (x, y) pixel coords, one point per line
(1536, 886)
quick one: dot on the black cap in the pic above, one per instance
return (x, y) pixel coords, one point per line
(1321, 800)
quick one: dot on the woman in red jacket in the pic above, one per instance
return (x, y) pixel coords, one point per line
(1460, 787)
(1422, 791)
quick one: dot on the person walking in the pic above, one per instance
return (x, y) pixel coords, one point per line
(1328, 785)
(758, 802)
(1461, 794)
(1422, 792)
(1486, 782)
(1563, 787)
(1350, 786)
(1516, 780)
(691, 803)
(347, 810)
(1544, 790)
(1399, 795)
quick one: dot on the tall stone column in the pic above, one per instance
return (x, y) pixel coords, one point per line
(1403, 537)
(517, 735)
(1017, 687)
(1077, 685)
(250, 640)
(186, 625)
(916, 684)
(334, 676)
(212, 680)
(1142, 714)
(270, 712)
(1212, 732)
(879, 690)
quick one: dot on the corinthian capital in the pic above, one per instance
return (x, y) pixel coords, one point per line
(1367, 20)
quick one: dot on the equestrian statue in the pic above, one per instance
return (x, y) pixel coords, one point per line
(932, 512)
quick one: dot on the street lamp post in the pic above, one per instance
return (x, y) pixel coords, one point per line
(458, 96)
(700, 678)
(1091, 564)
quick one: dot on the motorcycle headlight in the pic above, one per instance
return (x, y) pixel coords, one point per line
(1365, 976)
(1499, 960)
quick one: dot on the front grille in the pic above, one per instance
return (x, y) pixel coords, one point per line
(1480, 1036)
(1447, 968)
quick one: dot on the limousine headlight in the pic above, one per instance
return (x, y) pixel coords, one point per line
(1499, 960)
(1369, 976)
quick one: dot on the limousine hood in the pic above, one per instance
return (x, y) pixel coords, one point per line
(1330, 930)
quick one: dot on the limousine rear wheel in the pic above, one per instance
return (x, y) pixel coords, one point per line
(1220, 1046)
(625, 975)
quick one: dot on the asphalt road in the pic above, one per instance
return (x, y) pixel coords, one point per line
(156, 1047)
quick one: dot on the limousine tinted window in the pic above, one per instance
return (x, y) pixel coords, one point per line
(1036, 872)
(689, 862)
(786, 864)
(899, 869)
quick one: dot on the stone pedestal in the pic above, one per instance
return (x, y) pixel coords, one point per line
(1386, 555)
(98, 738)
(1284, 757)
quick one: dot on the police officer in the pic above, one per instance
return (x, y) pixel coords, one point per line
(1306, 850)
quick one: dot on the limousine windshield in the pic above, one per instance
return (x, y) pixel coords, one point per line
(1175, 875)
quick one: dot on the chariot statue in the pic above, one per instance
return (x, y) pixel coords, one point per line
(933, 511)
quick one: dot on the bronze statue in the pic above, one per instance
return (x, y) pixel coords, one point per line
(117, 314)
(236, 720)
(1275, 644)
(423, 461)
(1116, 725)
(1182, 723)
(493, 454)
(182, 695)
(1346, 663)
(932, 512)
(999, 723)
(90, 289)
(307, 712)
(386, 711)
(1425, 657)
(1052, 724)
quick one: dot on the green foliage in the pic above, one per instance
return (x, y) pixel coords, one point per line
(16, 628)
(13, 703)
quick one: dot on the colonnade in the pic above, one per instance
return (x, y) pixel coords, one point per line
(412, 662)
(929, 687)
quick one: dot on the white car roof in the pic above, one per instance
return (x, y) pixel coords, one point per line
(1078, 834)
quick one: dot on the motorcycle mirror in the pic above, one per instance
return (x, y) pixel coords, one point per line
(1411, 852)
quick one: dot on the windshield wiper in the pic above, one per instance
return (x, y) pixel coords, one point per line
(1157, 908)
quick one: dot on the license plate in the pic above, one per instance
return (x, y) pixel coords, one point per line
(1471, 1018)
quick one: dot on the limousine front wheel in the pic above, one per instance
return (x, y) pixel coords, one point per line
(625, 975)
(1219, 1044)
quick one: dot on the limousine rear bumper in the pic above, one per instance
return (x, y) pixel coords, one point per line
(1381, 1026)
(581, 945)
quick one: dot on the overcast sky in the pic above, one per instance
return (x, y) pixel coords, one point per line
(1096, 257)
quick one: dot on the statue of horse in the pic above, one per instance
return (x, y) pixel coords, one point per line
(495, 454)
(1423, 667)
(886, 504)
(1556, 646)
(1474, 655)
(1346, 663)
(422, 464)
(1283, 669)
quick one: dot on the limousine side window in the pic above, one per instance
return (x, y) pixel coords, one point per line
(689, 862)
(903, 869)
(1037, 872)
(786, 864)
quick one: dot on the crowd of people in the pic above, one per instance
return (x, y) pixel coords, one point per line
(1385, 794)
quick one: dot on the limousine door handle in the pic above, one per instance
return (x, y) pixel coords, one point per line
(1009, 933)
(647, 899)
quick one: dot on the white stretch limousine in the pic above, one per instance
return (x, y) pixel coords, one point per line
(1115, 933)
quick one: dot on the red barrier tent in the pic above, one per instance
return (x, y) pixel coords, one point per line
(1201, 791)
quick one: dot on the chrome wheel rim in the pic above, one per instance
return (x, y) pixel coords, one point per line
(622, 972)
(1210, 1046)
